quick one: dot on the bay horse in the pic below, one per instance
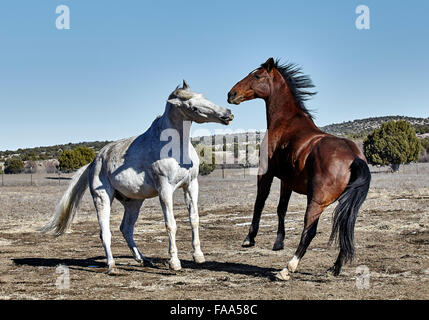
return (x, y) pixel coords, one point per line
(306, 160)
(132, 170)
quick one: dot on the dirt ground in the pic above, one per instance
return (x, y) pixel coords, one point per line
(391, 236)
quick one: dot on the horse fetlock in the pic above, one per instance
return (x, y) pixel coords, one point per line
(293, 264)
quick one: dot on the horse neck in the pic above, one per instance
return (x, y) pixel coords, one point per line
(282, 108)
(172, 119)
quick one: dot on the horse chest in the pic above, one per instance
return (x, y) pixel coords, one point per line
(173, 172)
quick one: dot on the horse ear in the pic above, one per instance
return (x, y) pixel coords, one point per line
(175, 101)
(185, 85)
(269, 64)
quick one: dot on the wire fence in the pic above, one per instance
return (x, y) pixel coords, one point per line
(34, 179)
(418, 170)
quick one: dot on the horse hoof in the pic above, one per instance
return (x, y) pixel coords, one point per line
(278, 246)
(335, 270)
(147, 262)
(175, 265)
(247, 243)
(199, 258)
(283, 275)
(111, 271)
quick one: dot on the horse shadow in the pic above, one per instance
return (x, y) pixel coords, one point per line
(156, 265)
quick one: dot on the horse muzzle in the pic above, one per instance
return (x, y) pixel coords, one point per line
(227, 119)
(233, 98)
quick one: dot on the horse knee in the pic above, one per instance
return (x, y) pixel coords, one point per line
(171, 227)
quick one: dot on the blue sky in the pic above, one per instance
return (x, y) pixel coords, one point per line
(109, 76)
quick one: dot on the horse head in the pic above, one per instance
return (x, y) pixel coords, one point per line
(195, 107)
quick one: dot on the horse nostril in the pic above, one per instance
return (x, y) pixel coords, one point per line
(231, 95)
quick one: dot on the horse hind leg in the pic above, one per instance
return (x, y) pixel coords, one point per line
(285, 194)
(132, 209)
(311, 219)
(102, 201)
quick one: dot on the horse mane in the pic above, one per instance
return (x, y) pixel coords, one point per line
(297, 82)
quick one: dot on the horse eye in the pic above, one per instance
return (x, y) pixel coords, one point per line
(257, 77)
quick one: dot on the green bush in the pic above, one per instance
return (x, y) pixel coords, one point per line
(394, 143)
(13, 165)
(203, 152)
(71, 160)
(206, 168)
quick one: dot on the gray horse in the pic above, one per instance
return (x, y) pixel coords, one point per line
(155, 163)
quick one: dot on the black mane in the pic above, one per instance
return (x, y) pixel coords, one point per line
(297, 83)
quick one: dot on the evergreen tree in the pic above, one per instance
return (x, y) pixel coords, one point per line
(13, 165)
(394, 143)
(74, 159)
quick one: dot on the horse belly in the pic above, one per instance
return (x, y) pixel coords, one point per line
(295, 180)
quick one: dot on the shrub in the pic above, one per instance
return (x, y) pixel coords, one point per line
(13, 165)
(206, 168)
(394, 143)
(74, 159)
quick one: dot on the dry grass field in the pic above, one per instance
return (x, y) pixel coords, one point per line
(392, 243)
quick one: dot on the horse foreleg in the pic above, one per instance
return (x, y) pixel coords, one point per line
(264, 185)
(166, 200)
(285, 194)
(191, 200)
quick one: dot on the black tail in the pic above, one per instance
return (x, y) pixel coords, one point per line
(346, 212)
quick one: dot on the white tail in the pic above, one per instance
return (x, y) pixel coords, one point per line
(67, 207)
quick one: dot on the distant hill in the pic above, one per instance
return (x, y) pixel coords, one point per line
(50, 152)
(362, 127)
(356, 129)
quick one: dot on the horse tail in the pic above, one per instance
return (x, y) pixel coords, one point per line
(346, 212)
(69, 203)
